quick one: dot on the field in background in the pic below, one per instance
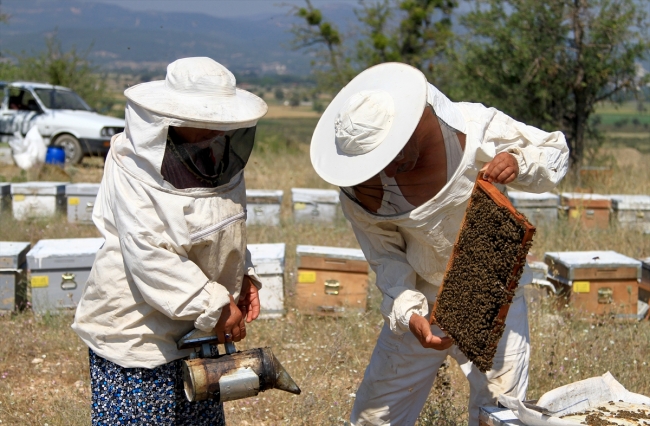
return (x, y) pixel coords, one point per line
(43, 365)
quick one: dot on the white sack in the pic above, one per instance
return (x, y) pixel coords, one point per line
(30, 150)
(573, 398)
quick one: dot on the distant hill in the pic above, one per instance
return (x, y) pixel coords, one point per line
(121, 38)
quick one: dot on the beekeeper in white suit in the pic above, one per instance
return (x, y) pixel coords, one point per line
(406, 159)
(172, 210)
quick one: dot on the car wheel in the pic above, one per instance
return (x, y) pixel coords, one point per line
(72, 148)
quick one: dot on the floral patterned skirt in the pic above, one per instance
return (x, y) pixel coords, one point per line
(142, 396)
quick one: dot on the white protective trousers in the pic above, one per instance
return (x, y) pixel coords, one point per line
(401, 372)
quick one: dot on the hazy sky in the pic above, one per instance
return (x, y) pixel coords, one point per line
(224, 8)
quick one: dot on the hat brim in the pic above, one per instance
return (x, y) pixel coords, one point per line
(408, 88)
(244, 107)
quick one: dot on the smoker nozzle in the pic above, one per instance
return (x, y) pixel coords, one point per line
(283, 380)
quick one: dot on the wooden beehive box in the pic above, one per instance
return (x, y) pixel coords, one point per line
(599, 282)
(644, 285)
(268, 260)
(263, 207)
(538, 208)
(482, 274)
(592, 210)
(632, 211)
(316, 206)
(331, 280)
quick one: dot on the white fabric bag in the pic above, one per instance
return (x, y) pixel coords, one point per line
(573, 398)
(30, 150)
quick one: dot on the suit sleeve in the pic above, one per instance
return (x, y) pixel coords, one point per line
(385, 249)
(543, 157)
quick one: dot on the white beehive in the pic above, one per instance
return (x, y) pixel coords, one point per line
(538, 208)
(37, 199)
(59, 270)
(632, 211)
(269, 265)
(263, 207)
(314, 205)
(81, 201)
(13, 290)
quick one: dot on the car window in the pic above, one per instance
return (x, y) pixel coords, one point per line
(22, 100)
(61, 99)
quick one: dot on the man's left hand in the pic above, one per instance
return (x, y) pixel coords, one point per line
(502, 169)
(249, 300)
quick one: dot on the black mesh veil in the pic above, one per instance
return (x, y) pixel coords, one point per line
(209, 163)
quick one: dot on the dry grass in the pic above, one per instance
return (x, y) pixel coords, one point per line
(282, 111)
(327, 356)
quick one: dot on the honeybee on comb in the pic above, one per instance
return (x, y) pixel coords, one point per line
(482, 274)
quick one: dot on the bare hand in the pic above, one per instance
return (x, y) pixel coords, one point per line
(502, 169)
(421, 329)
(249, 300)
(230, 323)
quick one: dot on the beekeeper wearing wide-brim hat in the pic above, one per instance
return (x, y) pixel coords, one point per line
(406, 159)
(171, 207)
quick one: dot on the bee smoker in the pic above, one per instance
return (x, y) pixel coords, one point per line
(233, 375)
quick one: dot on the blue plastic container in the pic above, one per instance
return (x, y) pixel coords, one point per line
(55, 156)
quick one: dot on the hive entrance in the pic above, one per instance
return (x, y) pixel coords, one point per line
(482, 274)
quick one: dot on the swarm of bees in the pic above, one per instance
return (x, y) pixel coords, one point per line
(481, 278)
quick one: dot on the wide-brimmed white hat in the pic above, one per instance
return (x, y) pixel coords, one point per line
(199, 89)
(368, 123)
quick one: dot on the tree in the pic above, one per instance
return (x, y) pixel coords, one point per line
(415, 32)
(66, 68)
(549, 63)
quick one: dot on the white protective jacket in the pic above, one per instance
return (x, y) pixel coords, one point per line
(171, 256)
(409, 251)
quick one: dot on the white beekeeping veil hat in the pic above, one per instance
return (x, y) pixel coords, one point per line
(368, 123)
(200, 90)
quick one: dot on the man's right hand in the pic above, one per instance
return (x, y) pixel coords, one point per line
(420, 327)
(230, 322)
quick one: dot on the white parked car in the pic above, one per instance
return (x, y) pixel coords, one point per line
(62, 117)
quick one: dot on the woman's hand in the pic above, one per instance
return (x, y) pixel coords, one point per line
(231, 326)
(502, 169)
(421, 329)
(249, 300)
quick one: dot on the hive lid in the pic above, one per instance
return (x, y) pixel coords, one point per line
(5, 189)
(308, 195)
(331, 252)
(38, 188)
(528, 199)
(267, 252)
(82, 189)
(577, 199)
(592, 259)
(264, 195)
(268, 258)
(539, 269)
(64, 253)
(12, 254)
(630, 202)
